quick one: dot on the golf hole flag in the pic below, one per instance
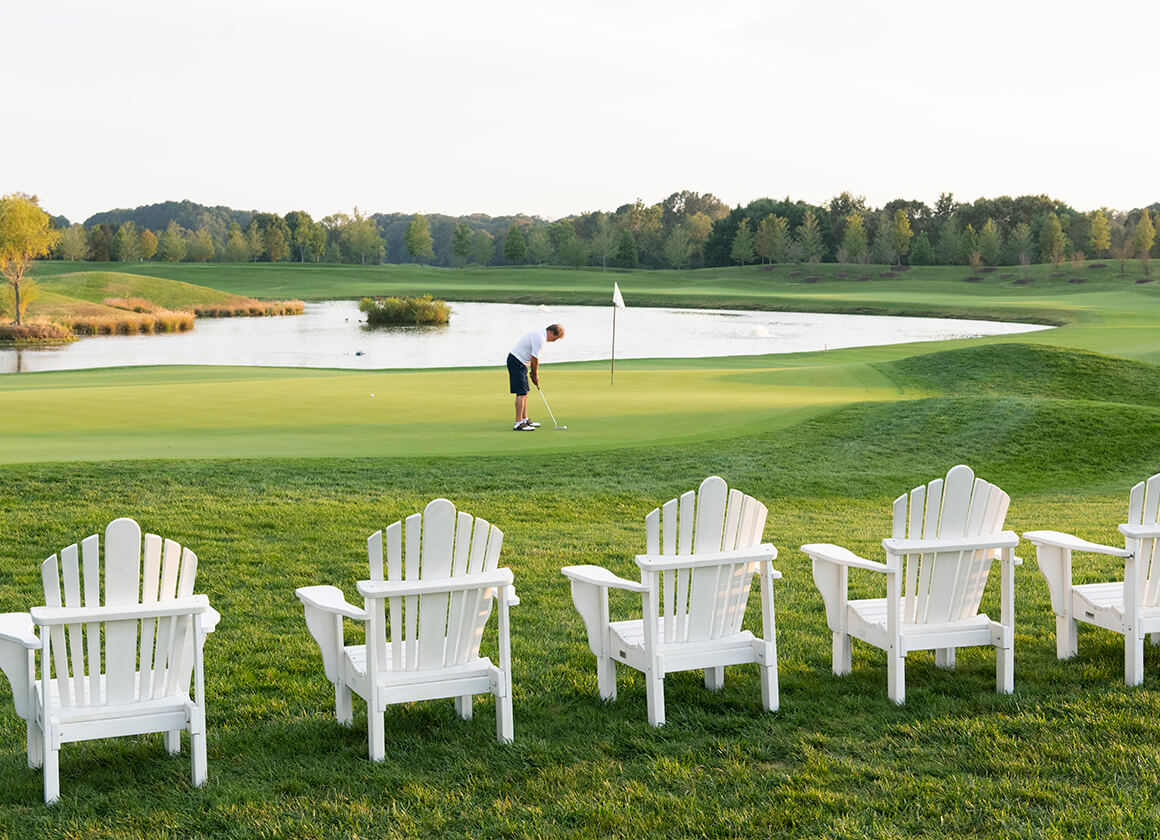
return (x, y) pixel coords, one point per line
(617, 303)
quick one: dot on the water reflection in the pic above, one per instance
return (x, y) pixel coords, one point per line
(333, 335)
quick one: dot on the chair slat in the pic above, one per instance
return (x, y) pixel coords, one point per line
(437, 554)
(413, 525)
(463, 537)
(732, 520)
(58, 652)
(166, 590)
(150, 587)
(652, 532)
(70, 575)
(91, 563)
(709, 525)
(956, 502)
(375, 556)
(181, 669)
(669, 527)
(393, 537)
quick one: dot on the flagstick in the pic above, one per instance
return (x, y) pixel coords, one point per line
(612, 369)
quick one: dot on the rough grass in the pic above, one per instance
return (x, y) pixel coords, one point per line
(417, 310)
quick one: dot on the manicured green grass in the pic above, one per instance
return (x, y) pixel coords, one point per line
(825, 439)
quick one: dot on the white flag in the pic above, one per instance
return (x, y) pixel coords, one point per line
(616, 298)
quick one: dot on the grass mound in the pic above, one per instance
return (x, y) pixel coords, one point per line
(1029, 370)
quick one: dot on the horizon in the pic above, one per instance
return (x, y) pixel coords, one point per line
(522, 109)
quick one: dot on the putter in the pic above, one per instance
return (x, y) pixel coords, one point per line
(556, 425)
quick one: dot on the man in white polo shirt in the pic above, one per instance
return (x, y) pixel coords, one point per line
(522, 360)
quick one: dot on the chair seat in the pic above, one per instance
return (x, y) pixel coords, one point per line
(135, 708)
(730, 649)
(356, 658)
(871, 612)
(1102, 596)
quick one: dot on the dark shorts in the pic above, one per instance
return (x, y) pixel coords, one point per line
(517, 375)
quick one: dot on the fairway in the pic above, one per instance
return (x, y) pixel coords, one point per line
(276, 477)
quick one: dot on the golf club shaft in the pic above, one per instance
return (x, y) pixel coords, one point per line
(545, 399)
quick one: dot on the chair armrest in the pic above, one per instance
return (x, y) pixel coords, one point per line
(51, 616)
(599, 576)
(1058, 539)
(1002, 539)
(18, 629)
(663, 562)
(844, 557)
(330, 599)
(428, 586)
(209, 621)
(1140, 532)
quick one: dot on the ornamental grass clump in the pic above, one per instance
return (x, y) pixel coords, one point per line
(405, 310)
(34, 332)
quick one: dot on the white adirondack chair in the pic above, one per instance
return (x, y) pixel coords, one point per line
(701, 553)
(435, 600)
(112, 667)
(937, 562)
(1130, 607)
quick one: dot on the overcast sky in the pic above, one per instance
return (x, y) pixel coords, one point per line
(550, 109)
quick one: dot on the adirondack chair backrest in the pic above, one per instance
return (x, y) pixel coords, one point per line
(709, 602)
(1144, 509)
(162, 648)
(439, 630)
(948, 585)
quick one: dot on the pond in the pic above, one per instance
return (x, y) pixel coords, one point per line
(332, 335)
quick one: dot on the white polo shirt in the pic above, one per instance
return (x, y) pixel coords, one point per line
(530, 346)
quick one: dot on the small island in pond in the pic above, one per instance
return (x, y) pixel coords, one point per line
(395, 311)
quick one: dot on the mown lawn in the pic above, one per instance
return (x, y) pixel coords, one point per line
(1071, 754)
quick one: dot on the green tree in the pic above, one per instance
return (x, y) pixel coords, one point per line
(307, 237)
(990, 242)
(237, 248)
(854, 241)
(884, 250)
(1052, 240)
(900, 233)
(763, 239)
(483, 247)
(420, 245)
(461, 243)
(968, 244)
(361, 242)
(72, 244)
(742, 251)
(1100, 239)
(569, 249)
(100, 241)
(515, 247)
(604, 240)
(146, 244)
(171, 246)
(626, 254)
(678, 250)
(809, 238)
(921, 252)
(700, 225)
(1143, 236)
(947, 250)
(539, 245)
(26, 233)
(1021, 241)
(125, 245)
(200, 247)
(274, 244)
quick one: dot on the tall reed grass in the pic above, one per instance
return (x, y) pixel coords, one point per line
(142, 323)
(251, 308)
(405, 310)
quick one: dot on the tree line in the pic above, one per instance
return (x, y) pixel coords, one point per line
(685, 230)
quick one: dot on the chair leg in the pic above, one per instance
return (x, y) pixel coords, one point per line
(1133, 658)
(173, 742)
(1004, 670)
(896, 677)
(715, 678)
(770, 700)
(945, 658)
(343, 707)
(504, 724)
(1066, 637)
(197, 755)
(51, 773)
(35, 743)
(842, 654)
(655, 692)
(606, 677)
(376, 736)
(463, 707)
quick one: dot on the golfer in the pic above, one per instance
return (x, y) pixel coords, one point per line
(524, 356)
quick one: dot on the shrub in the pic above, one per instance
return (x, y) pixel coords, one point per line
(409, 310)
(34, 333)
